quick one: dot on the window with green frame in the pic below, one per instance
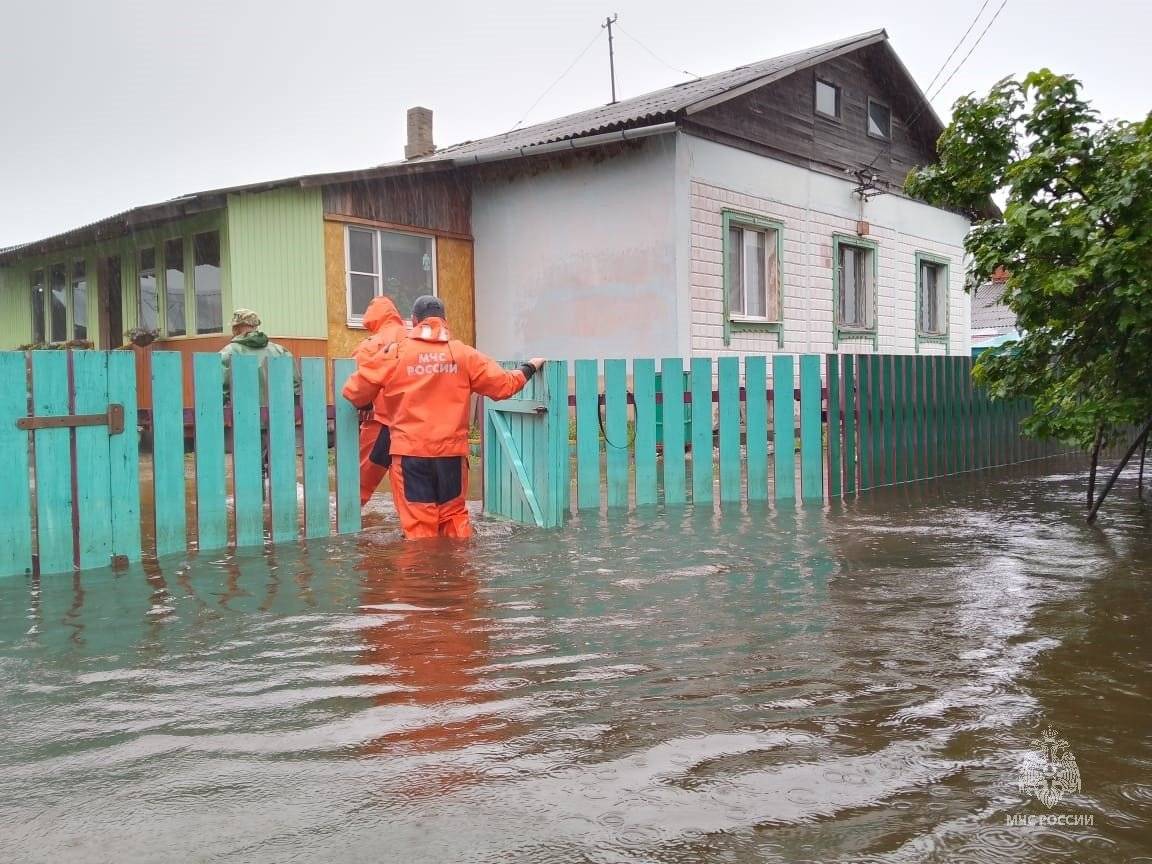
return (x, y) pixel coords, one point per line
(753, 274)
(931, 298)
(854, 278)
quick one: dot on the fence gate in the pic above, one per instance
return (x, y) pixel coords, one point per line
(526, 451)
(68, 424)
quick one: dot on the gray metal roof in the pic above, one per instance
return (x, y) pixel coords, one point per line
(657, 106)
(988, 310)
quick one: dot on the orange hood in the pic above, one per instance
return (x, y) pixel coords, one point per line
(380, 313)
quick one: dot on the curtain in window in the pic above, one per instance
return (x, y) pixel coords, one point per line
(149, 297)
(80, 300)
(174, 286)
(58, 297)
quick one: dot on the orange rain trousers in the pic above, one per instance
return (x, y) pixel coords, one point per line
(431, 496)
(370, 473)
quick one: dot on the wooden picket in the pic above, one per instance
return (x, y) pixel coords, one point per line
(84, 505)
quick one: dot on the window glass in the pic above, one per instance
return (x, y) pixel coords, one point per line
(36, 293)
(735, 271)
(149, 298)
(879, 120)
(362, 251)
(753, 273)
(407, 266)
(827, 99)
(361, 290)
(754, 301)
(856, 287)
(207, 282)
(932, 306)
(58, 296)
(174, 286)
(80, 300)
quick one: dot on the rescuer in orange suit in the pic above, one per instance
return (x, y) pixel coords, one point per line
(423, 385)
(387, 328)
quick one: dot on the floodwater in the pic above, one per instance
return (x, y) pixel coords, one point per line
(860, 683)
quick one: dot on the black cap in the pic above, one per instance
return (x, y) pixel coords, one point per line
(427, 306)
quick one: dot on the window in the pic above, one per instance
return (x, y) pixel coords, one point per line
(207, 282)
(879, 120)
(149, 297)
(79, 300)
(931, 296)
(58, 296)
(391, 263)
(36, 291)
(174, 287)
(827, 99)
(363, 271)
(754, 273)
(856, 287)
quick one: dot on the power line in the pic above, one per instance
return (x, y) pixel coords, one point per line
(955, 48)
(655, 57)
(928, 97)
(975, 45)
(563, 75)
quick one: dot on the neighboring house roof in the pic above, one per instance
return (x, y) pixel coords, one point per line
(997, 340)
(989, 314)
(659, 106)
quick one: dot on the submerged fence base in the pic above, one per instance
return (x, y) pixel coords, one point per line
(744, 429)
(70, 423)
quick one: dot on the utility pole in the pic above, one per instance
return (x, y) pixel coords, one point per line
(608, 22)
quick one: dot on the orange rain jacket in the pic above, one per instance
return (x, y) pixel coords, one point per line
(386, 326)
(423, 385)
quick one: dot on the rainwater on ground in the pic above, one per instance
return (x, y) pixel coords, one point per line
(854, 683)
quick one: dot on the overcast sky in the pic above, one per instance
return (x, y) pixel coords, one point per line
(117, 103)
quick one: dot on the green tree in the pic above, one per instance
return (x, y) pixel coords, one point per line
(1076, 240)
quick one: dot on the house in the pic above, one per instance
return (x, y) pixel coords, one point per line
(756, 210)
(993, 323)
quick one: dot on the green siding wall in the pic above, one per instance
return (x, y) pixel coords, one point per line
(15, 307)
(276, 258)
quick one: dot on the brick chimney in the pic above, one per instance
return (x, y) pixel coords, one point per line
(419, 133)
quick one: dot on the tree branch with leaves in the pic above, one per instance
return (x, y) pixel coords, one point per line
(1076, 241)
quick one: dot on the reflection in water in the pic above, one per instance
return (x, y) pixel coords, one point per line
(852, 683)
(425, 637)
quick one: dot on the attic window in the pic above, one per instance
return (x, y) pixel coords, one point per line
(879, 120)
(827, 99)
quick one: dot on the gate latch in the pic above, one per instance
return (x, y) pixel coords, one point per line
(113, 419)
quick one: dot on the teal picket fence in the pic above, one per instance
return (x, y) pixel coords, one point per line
(758, 428)
(70, 423)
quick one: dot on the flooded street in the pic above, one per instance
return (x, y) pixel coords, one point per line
(855, 683)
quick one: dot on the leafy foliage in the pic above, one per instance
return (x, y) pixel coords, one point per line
(1076, 240)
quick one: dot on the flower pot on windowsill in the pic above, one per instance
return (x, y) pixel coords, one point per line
(140, 337)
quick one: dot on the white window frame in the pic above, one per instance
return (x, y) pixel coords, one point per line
(357, 321)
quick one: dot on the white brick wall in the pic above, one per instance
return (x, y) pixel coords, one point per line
(807, 280)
